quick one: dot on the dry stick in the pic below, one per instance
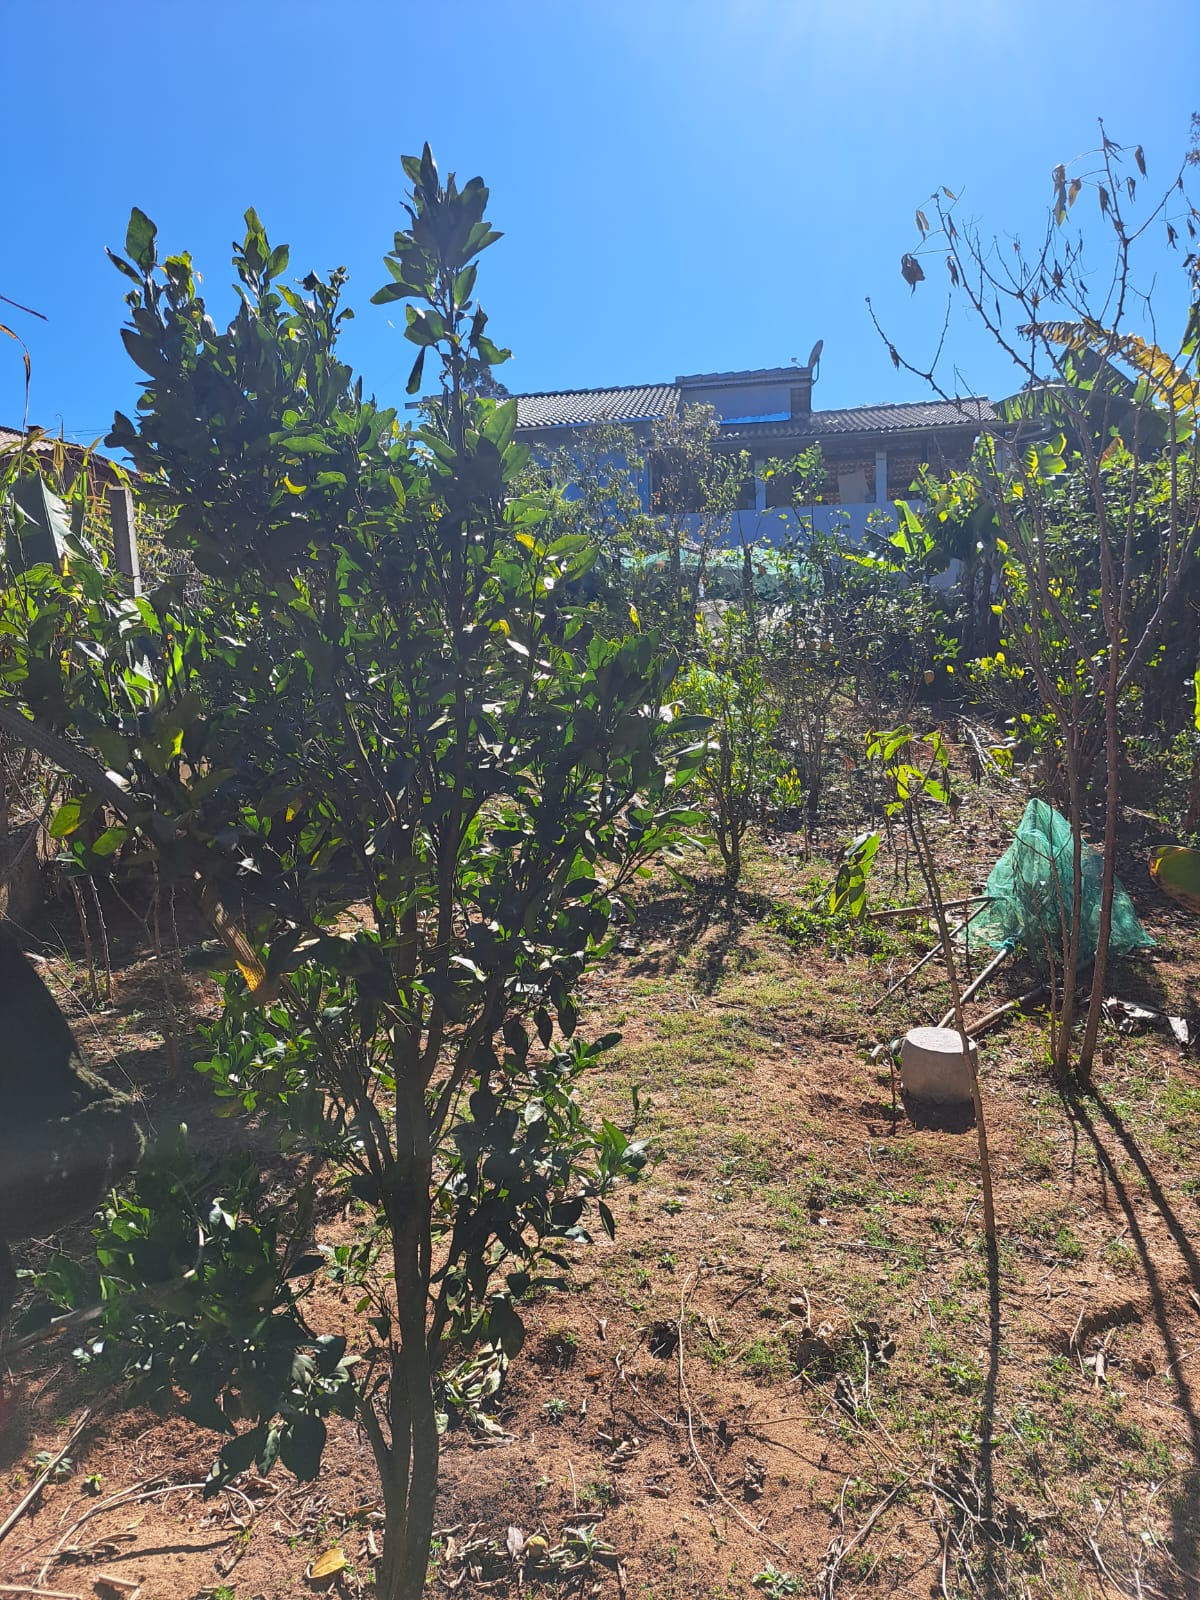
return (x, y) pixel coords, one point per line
(912, 911)
(170, 1037)
(102, 927)
(38, 1594)
(990, 1018)
(686, 1402)
(130, 1497)
(70, 1319)
(832, 1571)
(86, 935)
(960, 1000)
(27, 1500)
(916, 967)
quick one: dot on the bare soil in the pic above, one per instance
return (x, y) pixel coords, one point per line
(794, 1364)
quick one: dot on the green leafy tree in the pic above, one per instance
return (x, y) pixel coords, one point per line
(408, 776)
(695, 490)
(1092, 487)
(743, 766)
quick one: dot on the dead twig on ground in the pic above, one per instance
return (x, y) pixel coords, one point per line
(130, 1497)
(996, 962)
(685, 1403)
(38, 1594)
(43, 1477)
(839, 1549)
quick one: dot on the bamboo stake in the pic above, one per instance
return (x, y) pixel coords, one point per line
(961, 999)
(990, 1018)
(916, 967)
(925, 859)
(891, 912)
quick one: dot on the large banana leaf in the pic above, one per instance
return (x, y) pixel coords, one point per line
(1178, 389)
(1176, 871)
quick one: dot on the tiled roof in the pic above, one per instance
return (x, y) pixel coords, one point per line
(873, 419)
(753, 375)
(565, 408)
(102, 468)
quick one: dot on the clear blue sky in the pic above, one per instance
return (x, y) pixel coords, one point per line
(684, 185)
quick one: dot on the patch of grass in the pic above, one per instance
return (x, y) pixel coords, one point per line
(1121, 1256)
(1067, 1245)
(814, 924)
(766, 1358)
(598, 1493)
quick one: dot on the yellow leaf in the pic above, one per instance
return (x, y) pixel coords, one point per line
(326, 1565)
(633, 615)
(1176, 871)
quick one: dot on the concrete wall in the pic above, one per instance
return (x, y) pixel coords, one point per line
(743, 400)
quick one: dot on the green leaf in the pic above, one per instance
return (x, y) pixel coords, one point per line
(66, 819)
(302, 1445)
(139, 239)
(43, 528)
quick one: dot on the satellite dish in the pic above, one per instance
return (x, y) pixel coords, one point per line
(816, 353)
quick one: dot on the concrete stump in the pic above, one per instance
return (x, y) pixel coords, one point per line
(933, 1065)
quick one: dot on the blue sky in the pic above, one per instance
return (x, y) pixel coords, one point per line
(684, 185)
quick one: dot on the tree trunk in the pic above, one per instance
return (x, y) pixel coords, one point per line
(1112, 799)
(410, 1479)
(409, 1468)
(1063, 1026)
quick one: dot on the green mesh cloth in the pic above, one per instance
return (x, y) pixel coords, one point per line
(1031, 890)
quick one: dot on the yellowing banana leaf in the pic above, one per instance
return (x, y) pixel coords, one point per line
(1176, 871)
(1178, 389)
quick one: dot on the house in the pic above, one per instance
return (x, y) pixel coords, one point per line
(872, 453)
(62, 461)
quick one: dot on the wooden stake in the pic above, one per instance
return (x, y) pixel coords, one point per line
(916, 967)
(124, 527)
(966, 994)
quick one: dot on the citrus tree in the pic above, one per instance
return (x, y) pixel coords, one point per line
(408, 773)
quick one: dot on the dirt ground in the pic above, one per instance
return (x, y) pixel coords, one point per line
(792, 1372)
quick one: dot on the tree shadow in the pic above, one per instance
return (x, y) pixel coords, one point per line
(684, 917)
(1079, 1101)
(993, 1576)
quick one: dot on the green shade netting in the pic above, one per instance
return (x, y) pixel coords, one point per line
(1031, 890)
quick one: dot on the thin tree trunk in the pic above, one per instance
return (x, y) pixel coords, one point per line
(925, 860)
(1061, 1041)
(411, 1469)
(1112, 799)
